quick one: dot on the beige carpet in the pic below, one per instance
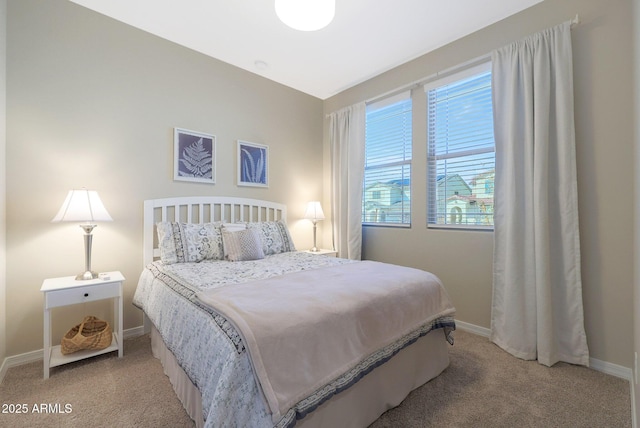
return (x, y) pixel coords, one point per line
(483, 387)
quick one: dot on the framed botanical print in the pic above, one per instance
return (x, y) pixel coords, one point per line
(253, 164)
(194, 156)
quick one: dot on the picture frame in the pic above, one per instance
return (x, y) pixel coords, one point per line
(194, 157)
(253, 164)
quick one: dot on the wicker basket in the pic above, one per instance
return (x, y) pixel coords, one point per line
(91, 333)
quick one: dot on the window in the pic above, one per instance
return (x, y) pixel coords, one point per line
(460, 150)
(386, 193)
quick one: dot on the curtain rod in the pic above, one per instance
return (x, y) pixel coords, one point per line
(424, 80)
(575, 21)
(451, 70)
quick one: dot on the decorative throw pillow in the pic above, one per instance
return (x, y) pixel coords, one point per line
(231, 227)
(189, 242)
(242, 245)
(275, 236)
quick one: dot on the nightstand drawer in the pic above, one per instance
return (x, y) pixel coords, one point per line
(75, 295)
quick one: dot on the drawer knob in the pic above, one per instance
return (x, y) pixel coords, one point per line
(86, 294)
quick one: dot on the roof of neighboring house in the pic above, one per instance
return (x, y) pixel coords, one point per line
(380, 184)
(442, 178)
(391, 183)
(400, 182)
(483, 175)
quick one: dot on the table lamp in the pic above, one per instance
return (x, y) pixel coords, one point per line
(84, 206)
(314, 213)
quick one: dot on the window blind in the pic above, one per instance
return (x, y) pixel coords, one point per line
(386, 194)
(460, 150)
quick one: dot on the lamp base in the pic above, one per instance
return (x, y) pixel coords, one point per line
(85, 276)
(88, 237)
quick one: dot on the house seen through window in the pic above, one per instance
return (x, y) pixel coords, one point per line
(386, 196)
(460, 150)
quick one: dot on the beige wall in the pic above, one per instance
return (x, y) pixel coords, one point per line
(636, 253)
(93, 102)
(3, 141)
(604, 134)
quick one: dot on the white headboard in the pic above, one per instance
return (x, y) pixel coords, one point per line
(203, 209)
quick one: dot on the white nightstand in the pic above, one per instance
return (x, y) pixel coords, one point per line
(69, 291)
(323, 252)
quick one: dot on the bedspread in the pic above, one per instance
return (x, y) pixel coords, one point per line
(205, 345)
(307, 330)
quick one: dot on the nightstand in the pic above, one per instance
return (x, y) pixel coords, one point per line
(67, 291)
(322, 252)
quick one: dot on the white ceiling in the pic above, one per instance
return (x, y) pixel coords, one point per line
(366, 38)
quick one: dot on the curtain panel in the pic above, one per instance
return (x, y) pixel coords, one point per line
(537, 310)
(347, 142)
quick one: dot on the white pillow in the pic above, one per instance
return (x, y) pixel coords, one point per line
(234, 227)
(242, 245)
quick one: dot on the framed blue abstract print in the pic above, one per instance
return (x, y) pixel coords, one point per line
(253, 164)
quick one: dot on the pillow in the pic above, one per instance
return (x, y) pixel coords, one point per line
(231, 227)
(242, 245)
(234, 227)
(275, 236)
(189, 242)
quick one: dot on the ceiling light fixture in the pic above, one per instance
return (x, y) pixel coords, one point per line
(306, 15)
(261, 65)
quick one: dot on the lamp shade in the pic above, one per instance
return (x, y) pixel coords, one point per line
(306, 15)
(314, 211)
(82, 206)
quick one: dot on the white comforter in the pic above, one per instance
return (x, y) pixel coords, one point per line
(206, 346)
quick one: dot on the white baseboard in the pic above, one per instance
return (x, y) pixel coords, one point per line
(30, 357)
(602, 366)
(472, 328)
(18, 360)
(612, 369)
(133, 332)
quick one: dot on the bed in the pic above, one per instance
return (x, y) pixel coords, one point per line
(227, 372)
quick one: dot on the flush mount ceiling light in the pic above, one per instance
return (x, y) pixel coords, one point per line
(261, 65)
(306, 15)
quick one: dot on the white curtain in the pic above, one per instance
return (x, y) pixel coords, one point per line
(346, 135)
(537, 291)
